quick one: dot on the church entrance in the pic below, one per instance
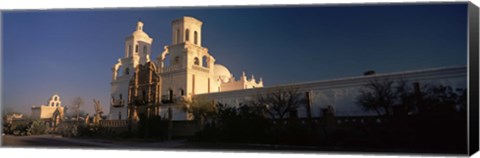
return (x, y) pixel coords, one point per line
(55, 120)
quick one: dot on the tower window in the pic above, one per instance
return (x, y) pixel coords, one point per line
(195, 61)
(195, 37)
(204, 61)
(120, 96)
(170, 95)
(177, 59)
(166, 61)
(187, 32)
(182, 92)
(129, 49)
(120, 71)
(178, 35)
(127, 71)
(144, 95)
(136, 48)
(144, 49)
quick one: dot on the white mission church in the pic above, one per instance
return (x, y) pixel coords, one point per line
(142, 86)
(191, 71)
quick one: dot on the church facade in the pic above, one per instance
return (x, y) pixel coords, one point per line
(142, 86)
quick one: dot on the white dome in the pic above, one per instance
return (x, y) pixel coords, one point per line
(140, 33)
(221, 72)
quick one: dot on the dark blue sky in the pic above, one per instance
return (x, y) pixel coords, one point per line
(71, 52)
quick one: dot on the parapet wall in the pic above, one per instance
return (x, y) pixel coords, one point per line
(341, 93)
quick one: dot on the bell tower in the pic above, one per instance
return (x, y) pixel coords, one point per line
(137, 52)
(138, 46)
(190, 66)
(187, 30)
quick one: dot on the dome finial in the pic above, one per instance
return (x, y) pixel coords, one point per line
(139, 25)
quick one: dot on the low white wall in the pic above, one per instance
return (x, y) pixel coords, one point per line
(341, 93)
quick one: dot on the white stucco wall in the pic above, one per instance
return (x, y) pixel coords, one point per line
(341, 93)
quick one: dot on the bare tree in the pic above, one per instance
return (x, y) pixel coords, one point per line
(77, 103)
(280, 101)
(443, 100)
(378, 96)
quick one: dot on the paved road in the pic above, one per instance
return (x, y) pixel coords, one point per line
(41, 141)
(51, 141)
(61, 142)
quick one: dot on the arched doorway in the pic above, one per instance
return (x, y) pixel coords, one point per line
(55, 119)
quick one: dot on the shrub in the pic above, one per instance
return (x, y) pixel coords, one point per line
(37, 127)
(26, 128)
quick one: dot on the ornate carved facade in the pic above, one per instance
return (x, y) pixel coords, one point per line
(144, 92)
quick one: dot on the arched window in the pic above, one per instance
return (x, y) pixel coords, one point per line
(166, 61)
(195, 37)
(57, 104)
(177, 60)
(144, 49)
(178, 35)
(127, 71)
(182, 92)
(144, 95)
(195, 61)
(120, 71)
(170, 94)
(187, 33)
(129, 49)
(204, 61)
